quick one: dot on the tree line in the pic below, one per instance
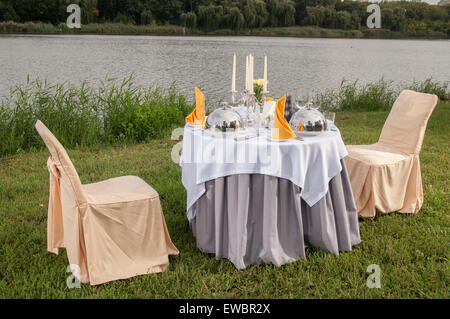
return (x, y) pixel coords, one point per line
(236, 15)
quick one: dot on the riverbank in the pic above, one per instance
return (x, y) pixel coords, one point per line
(167, 30)
(411, 250)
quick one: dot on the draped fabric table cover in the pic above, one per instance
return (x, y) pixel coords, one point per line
(263, 201)
(309, 164)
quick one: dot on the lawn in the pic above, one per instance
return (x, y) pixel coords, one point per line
(412, 250)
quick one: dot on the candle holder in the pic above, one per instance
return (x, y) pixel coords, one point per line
(252, 108)
(257, 110)
(264, 96)
(247, 96)
(234, 100)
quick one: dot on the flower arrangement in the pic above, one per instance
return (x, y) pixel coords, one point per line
(258, 87)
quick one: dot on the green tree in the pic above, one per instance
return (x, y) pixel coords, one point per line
(235, 19)
(89, 11)
(282, 12)
(329, 14)
(356, 19)
(7, 13)
(107, 9)
(189, 20)
(343, 20)
(387, 18)
(210, 17)
(234, 14)
(166, 10)
(146, 17)
(254, 12)
(399, 19)
(315, 16)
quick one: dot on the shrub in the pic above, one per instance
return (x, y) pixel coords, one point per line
(353, 97)
(377, 96)
(83, 115)
(429, 86)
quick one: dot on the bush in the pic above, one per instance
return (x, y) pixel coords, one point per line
(377, 96)
(428, 86)
(352, 97)
(82, 115)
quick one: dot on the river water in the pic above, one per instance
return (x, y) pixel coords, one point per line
(297, 65)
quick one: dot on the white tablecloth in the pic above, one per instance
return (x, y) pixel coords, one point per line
(309, 163)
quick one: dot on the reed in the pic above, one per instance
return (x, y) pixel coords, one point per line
(375, 96)
(120, 112)
(113, 112)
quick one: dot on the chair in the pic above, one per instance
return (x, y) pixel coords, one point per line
(385, 176)
(114, 229)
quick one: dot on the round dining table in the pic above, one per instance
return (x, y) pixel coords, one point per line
(252, 199)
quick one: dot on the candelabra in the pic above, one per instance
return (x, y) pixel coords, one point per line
(264, 96)
(234, 101)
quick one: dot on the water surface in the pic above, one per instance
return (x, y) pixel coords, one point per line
(298, 65)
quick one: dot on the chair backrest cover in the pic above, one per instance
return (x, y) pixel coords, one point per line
(64, 163)
(405, 126)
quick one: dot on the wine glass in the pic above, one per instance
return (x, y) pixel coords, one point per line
(301, 100)
(330, 116)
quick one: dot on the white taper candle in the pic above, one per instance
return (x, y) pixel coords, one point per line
(265, 74)
(233, 78)
(246, 72)
(251, 73)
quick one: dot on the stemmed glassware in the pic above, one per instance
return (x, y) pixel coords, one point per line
(251, 114)
(301, 100)
(330, 116)
(253, 110)
(234, 98)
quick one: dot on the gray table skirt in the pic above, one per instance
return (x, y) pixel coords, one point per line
(253, 218)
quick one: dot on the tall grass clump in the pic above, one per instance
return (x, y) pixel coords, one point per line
(376, 96)
(84, 115)
(351, 96)
(432, 87)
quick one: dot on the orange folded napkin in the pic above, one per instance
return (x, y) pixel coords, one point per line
(281, 129)
(197, 117)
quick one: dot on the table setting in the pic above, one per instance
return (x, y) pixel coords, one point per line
(263, 186)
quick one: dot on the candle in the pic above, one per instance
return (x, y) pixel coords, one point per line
(251, 74)
(246, 72)
(265, 74)
(233, 78)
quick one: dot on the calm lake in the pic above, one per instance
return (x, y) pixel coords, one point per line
(300, 66)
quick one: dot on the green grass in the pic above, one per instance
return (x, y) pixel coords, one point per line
(412, 250)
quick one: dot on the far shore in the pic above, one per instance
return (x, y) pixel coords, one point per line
(168, 30)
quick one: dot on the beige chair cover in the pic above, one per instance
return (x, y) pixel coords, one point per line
(114, 229)
(386, 176)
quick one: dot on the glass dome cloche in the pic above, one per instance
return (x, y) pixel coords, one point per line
(224, 119)
(308, 121)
